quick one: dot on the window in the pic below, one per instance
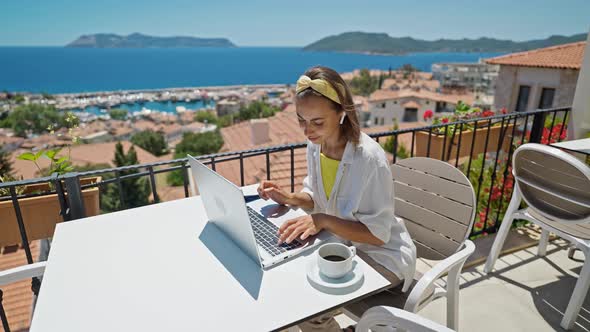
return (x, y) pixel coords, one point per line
(382, 121)
(523, 98)
(383, 105)
(441, 106)
(376, 120)
(395, 101)
(410, 115)
(546, 100)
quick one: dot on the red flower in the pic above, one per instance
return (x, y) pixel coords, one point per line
(444, 120)
(428, 114)
(504, 110)
(487, 113)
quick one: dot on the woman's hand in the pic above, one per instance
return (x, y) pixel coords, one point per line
(302, 227)
(269, 189)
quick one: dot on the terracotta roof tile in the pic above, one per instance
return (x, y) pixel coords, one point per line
(566, 56)
(383, 95)
(81, 154)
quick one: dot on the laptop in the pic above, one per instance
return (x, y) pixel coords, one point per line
(253, 226)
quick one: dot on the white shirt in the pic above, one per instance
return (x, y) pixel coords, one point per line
(363, 192)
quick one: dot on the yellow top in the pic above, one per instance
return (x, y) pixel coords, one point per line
(329, 170)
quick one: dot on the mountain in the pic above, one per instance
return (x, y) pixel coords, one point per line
(138, 40)
(381, 43)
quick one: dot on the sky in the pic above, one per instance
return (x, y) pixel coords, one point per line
(289, 23)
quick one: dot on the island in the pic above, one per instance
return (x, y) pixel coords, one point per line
(138, 40)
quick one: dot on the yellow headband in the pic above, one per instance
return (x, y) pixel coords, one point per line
(319, 85)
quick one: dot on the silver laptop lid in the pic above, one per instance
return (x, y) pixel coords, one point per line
(225, 207)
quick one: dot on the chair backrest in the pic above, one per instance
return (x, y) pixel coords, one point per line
(13, 275)
(556, 185)
(436, 202)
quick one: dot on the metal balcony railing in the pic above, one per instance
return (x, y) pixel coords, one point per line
(484, 156)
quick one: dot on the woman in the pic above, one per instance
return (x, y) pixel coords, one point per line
(349, 187)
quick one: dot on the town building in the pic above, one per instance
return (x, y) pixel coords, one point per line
(538, 79)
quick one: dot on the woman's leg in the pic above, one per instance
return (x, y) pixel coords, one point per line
(324, 322)
(384, 298)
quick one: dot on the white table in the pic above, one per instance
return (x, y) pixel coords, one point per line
(164, 268)
(579, 145)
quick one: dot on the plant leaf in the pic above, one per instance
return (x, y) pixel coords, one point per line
(61, 160)
(52, 153)
(27, 156)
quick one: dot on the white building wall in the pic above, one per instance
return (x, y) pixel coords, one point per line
(512, 77)
(394, 110)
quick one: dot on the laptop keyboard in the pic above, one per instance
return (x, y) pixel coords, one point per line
(266, 234)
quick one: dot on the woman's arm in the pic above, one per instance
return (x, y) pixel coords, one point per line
(302, 200)
(309, 225)
(269, 189)
(350, 230)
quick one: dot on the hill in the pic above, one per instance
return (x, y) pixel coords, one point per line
(381, 43)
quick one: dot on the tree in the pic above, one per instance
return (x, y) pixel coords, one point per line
(195, 145)
(5, 163)
(364, 84)
(408, 69)
(134, 191)
(151, 141)
(37, 119)
(402, 151)
(118, 114)
(19, 99)
(198, 144)
(256, 110)
(225, 121)
(206, 117)
(46, 95)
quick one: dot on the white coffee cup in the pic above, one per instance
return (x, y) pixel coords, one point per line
(335, 259)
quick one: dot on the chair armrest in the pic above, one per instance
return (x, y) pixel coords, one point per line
(456, 261)
(400, 319)
(22, 272)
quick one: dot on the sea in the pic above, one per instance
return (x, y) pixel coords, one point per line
(74, 70)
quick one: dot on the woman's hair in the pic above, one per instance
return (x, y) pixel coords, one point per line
(350, 128)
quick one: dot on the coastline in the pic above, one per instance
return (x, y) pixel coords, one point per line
(176, 89)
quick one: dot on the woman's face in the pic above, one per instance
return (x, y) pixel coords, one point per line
(317, 118)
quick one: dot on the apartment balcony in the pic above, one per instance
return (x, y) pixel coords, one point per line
(525, 293)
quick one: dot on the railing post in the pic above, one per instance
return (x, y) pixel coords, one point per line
(3, 315)
(74, 197)
(537, 128)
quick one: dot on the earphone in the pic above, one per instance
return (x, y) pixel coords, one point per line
(342, 118)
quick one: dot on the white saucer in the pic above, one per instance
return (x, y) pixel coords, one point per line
(345, 284)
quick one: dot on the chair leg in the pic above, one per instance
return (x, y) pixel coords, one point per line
(571, 251)
(578, 296)
(453, 297)
(503, 232)
(543, 241)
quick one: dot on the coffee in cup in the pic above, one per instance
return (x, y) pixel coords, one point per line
(335, 259)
